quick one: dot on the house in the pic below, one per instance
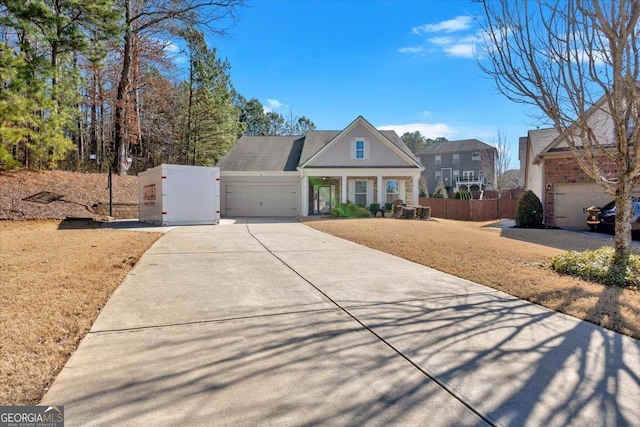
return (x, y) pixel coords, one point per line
(511, 178)
(309, 174)
(553, 174)
(461, 165)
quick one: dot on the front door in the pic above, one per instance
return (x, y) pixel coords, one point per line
(325, 199)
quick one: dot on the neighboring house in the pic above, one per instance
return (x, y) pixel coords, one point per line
(461, 165)
(511, 178)
(553, 174)
(310, 174)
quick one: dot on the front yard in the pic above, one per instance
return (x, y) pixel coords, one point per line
(511, 260)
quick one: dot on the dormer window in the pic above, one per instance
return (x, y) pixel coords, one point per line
(359, 149)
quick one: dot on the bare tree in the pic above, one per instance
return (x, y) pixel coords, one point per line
(577, 62)
(158, 16)
(494, 168)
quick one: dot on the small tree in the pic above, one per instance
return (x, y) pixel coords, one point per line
(529, 211)
(495, 168)
(422, 184)
(440, 192)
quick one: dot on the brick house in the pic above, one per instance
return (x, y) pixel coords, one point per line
(554, 175)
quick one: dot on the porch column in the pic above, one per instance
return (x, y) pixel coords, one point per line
(343, 189)
(416, 190)
(305, 195)
(381, 199)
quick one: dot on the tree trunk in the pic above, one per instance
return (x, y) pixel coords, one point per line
(123, 88)
(624, 208)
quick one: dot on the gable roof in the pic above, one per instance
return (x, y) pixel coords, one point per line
(540, 139)
(263, 153)
(287, 153)
(390, 138)
(454, 147)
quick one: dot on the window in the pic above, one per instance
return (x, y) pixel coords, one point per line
(361, 193)
(456, 175)
(456, 159)
(360, 150)
(393, 190)
(475, 155)
(438, 160)
(467, 175)
(438, 177)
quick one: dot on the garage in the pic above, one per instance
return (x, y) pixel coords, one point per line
(572, 200)
(259, 199)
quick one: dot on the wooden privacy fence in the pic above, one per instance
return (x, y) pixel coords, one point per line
(471, 210)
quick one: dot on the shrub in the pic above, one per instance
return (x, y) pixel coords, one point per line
(374, 208)
(356, 211)
(598, 266)
(336, 212)
(529, 211)
(422, 185)
(440, 192)
(349, 210)
(388, 207)
(463, 195)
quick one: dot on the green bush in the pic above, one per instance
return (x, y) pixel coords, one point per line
(356, 211)
(463, 195)
(349, 210)
(529, 212)
(440, 192)
(388, 207)
(336, 212)
(598, 266)
(374, 208)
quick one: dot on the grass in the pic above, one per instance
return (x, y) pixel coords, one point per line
(514, 261)
(56, 277)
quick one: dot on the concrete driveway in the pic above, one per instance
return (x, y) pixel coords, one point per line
(273, 323)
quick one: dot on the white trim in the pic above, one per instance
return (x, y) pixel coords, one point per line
(373, 131)
(372, 172)
(258, 173)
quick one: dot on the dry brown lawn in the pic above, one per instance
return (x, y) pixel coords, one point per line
(511, 260)
(56, 277)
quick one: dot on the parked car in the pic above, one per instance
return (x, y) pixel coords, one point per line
(604, 218)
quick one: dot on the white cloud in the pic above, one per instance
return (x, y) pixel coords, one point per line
(428, 130)
(460, 50)
(440, 41)
(449, 26)
(411, 49)
(463, 44)
(272, 104)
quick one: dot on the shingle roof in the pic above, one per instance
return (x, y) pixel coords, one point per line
(314, 140)
(540, 139)
(263, 153)
(454, 147)
(285, 153)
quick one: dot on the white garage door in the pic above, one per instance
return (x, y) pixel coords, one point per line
(572, 200)
(262, 200)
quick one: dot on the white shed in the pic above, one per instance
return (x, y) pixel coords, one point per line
(179, 195)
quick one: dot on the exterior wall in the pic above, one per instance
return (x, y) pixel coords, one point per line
(466, 164)
(256, 179)
(560, 171)
(340, 154)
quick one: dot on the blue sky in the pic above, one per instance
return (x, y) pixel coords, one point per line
(404, 65)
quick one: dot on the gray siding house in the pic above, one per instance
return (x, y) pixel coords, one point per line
(310, 174)
(465, 165)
